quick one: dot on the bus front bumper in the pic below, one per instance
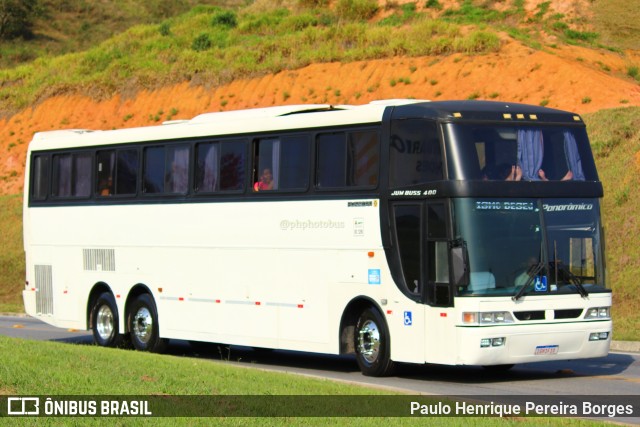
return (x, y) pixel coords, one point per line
(513, 344)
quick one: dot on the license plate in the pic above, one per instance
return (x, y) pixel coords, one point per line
(547, 349)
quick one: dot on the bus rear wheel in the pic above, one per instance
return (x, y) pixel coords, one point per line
(144, 327)
(104, 321)
(372, 344)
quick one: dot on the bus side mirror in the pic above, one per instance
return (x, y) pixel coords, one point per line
(459, 258)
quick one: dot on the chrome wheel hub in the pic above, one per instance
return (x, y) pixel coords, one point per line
(369, 341)
(143, 325)
(104, 322)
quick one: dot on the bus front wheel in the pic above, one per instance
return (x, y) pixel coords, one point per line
(372, 344)
(104, 321)
(144, 327)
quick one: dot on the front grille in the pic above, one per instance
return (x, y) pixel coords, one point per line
(529, 315)
(571, 313)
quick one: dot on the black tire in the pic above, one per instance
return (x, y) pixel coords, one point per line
(105, 321)
(372, 343)
(144, 327)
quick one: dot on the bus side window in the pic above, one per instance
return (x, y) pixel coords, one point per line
(177, 169)
(72, 175)
(415, 153)
(153, 174)
(408, 225)
(348, 159)
(293, 173)
(363, 158)
(126, 171)
(105, 166)
(331, 160)
(166, 169)
(40, 174)
(219, 166)
(266, 165)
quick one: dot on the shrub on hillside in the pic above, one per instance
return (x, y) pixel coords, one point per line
(356, 9)
(225, 18)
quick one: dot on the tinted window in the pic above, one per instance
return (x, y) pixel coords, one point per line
(415, 154)
(154, 170)
(127, 171)
(219, 166)
(332, 161)
(177, 169)
(40, 177)
(519, 152)
(282, 163)
(72, 175)
(166, 169)
(407, 218)
(123, 164)
(348, 159)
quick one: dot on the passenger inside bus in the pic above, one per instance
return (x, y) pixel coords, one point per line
(535, 156)
(265, 182)
(106, 187)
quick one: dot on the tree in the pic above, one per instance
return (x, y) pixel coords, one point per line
(17, 17)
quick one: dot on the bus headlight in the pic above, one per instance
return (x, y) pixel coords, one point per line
(492, 342)
(598, 313)
(598, 336)
(487, 318)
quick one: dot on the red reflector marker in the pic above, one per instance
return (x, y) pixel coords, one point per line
(300, 306)
(443, 314)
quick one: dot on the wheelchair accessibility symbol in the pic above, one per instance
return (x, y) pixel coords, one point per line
(408, 320)
(540, 284)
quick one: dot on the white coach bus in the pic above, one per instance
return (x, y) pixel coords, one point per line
(457, 232)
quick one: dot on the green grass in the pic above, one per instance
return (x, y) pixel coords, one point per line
(76, 25)
(48, 368)
(196, 47)
(615, 138)
(12, 254)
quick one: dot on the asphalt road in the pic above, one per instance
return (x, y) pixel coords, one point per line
(617, 374)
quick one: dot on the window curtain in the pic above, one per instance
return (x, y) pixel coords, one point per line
(275, 162)
(209, 180)
(179, 170)
(530, 153)
(83, 176)
(64, 175)
(573, 157)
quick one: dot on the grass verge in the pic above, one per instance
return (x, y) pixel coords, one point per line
(47, 368)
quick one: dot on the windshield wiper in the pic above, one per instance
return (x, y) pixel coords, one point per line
(533, 272)
(575, 280)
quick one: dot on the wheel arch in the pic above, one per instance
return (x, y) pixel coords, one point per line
(98, 289)
(134, 293)
(350, 318)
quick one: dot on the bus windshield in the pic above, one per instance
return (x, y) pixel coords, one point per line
(531, 246)
(543, 152)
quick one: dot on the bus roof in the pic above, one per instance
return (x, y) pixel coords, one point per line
(486, 111)
(292, 117)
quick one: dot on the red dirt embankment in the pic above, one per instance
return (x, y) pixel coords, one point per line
(572, 78)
